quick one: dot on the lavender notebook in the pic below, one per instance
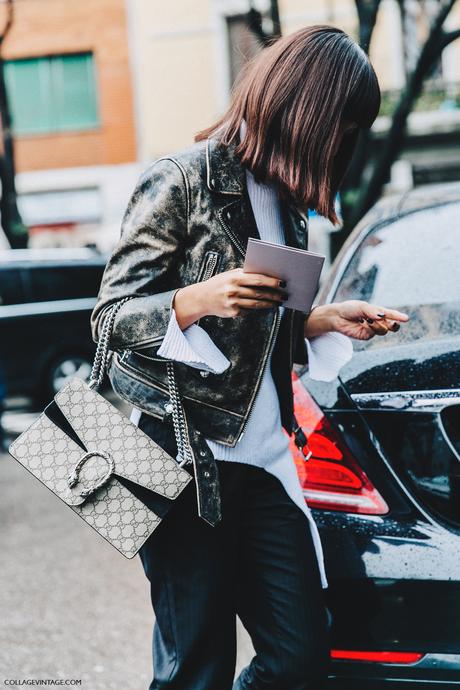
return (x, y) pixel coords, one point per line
(300, 269)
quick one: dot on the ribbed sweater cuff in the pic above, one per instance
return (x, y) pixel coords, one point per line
(327, 354)
(192, 346)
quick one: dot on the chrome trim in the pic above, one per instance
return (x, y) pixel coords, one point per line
(50, 306)
(415, 399)
(60, 256)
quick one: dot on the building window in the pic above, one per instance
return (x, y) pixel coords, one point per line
(52, 94)
(242, 44)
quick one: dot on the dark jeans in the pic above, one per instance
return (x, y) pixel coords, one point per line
(259, 563)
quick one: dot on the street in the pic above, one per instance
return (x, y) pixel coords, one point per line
(72, 607)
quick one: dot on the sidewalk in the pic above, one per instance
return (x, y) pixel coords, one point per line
(71, 607)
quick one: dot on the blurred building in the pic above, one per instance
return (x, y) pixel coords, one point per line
(100, 88)
(187, 54)
(69, 81)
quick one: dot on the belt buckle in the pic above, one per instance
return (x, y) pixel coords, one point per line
(302, 443)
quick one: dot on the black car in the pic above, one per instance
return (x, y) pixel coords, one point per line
(46, 298)
(384, 480)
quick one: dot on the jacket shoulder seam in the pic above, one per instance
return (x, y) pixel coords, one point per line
(186, 184)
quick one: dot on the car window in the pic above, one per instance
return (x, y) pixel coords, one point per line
(11, 287)
(413, 265)
(62, 282)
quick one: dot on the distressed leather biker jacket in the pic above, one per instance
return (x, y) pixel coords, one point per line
(188, 218)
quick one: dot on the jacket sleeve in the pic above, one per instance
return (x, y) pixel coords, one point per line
(145, 260)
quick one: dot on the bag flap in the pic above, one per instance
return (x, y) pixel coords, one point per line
(95, 444)
(102, 428)
(50, 455)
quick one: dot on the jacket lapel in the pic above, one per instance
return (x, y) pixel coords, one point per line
(295, 226)
(225, 175)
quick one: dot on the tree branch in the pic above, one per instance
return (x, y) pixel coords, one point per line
(367, 14)
(276, 21)
(448, 37)
(432, 49)
(254, 22)
(442, 15)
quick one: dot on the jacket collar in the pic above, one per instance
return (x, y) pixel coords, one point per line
(224, 172)
(226, 175)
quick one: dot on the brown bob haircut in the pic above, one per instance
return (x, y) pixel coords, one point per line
(296, 96)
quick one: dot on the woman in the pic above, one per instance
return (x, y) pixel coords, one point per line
(244, 542)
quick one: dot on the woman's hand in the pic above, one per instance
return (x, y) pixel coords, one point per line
(227, 294)
(354, 318)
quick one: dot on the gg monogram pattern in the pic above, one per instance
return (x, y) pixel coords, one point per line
(50, 455)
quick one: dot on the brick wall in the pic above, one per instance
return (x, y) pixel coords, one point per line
(53, 27)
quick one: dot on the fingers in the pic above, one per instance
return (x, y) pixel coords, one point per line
(382, 320)
(275, 296)
(255, 304)
(395, 315)
(257, 280)
(375, 312)
(257, 290)
(381, 326)
(375, 327)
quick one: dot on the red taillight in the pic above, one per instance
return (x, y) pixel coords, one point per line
(380, 657)
(331, 478)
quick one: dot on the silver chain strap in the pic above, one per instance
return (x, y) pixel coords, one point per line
(179, 423)
(97, 375)
(100, 358)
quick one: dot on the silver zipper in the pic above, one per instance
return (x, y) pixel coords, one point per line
(147, 344)
(124, 366)
(210, 266)
(269, 351)
(152, 359)
(230, 232)
(209, 270)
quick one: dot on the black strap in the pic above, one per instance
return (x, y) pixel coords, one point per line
(300, 439)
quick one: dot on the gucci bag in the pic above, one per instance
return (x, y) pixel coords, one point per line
(101, 464)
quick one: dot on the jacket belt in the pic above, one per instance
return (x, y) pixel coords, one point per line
(206, 474)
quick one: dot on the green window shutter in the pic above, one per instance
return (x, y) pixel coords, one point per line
(27, 83)
(52, 94)
(74, 92)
